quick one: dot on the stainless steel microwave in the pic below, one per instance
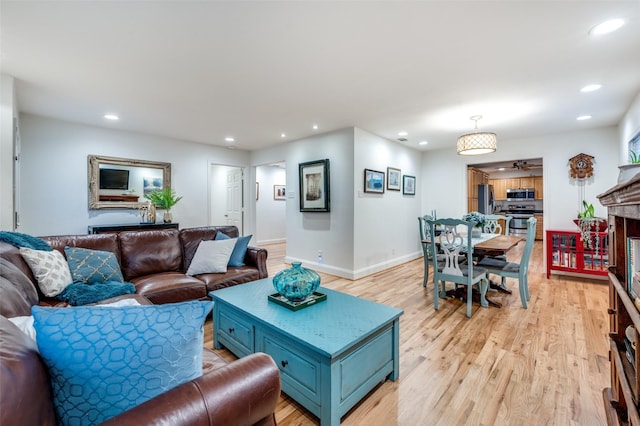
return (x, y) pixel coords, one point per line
(522, 194)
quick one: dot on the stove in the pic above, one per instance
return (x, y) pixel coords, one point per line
(520, 214)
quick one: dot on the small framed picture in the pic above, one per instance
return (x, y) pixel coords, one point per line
(408, 185)
(373, 181)
(279, 192)
(314, 186)
(393, 179)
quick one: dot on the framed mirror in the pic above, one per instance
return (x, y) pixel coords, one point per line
(121, 183)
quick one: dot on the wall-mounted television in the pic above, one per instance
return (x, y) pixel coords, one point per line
(114, 179)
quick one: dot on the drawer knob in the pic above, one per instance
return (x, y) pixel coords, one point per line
(231, 330)
(284, 363)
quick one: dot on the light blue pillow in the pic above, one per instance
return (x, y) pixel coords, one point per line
(92, 266)
(105, 360)
(239, 251)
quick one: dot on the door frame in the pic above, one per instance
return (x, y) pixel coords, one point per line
(210, 185)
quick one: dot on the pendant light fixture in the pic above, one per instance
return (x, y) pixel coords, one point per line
(477, 143)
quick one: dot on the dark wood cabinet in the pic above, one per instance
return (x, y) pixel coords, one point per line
(103, 229)
(622, 398)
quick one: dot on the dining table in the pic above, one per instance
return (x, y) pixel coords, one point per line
(487, 244)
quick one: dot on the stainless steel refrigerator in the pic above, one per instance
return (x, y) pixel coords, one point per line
(486, 202)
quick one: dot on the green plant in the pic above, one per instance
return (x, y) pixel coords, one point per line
(634, 157)
(587, 212)
(163, 198)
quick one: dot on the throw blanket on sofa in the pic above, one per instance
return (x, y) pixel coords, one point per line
(78, 294)
(18, 239)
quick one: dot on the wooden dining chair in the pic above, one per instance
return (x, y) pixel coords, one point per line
(515, 270)
(423, 222)
(454, 245)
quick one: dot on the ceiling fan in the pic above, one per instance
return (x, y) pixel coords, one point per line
(523, 165)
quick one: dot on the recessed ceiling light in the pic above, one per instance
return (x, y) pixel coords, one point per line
(282, 135)
(111, 117)
(315, 127)
(229, 139)
(607, 27)
(402, 133)
(501, 169)
(423, 143)
(590, 88)
(583, 117)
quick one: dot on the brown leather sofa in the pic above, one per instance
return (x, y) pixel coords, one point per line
(155, 261)
(243, 392)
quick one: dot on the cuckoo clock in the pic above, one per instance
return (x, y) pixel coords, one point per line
(581, 166)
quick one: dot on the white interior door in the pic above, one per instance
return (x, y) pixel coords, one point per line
(233, 213)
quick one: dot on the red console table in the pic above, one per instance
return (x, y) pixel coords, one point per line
(567, 252)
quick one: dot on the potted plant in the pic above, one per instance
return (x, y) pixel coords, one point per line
(164, 199)
(589, 223)
(478, 219)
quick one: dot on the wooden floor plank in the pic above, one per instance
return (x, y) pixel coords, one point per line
(545, 365)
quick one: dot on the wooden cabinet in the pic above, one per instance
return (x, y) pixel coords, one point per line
(109, 229)
(568, 253)
(474, 178)
(537, 186)
(539, 226)
(500, 186)
(622, 398)
(526, 182)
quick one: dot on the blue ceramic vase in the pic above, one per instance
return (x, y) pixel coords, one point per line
(296, 283)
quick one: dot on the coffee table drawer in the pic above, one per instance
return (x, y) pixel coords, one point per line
(299, 369)
(235, 334)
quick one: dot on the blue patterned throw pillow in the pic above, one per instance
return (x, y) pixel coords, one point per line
(239, 251)
(106, 360)
(92, 266)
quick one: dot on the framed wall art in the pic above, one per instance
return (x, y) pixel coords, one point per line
(393, 179)
(314, 186)
(408, 185)
(373, 181)
(279, 192)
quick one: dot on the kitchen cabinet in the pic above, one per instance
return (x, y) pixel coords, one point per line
(500, 186)
(539, 226)
(474, 178)
(526, 182)
(622, 398)
(568, 253)
(537, 186)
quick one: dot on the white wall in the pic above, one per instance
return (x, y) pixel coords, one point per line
(54, 183)
(385, 225)
(629, 127)
(270, 214)
(8, 112)
(444, 183)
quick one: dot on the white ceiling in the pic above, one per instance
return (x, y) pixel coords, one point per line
(202, 71)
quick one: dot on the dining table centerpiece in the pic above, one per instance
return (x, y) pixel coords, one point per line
(479, 219)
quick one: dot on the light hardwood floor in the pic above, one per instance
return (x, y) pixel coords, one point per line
(546, 365)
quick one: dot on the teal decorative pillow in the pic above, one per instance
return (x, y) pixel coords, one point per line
(92, 266)
(239, 251)
(106, 360)
(78, 294)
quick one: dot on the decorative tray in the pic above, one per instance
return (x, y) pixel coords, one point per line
(314, 298)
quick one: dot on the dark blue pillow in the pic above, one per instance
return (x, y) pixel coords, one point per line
(105, 360)
(239, 251)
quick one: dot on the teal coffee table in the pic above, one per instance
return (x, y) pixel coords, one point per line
(330, 354)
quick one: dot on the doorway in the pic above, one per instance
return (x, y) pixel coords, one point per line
(271, 205)
(226, 205)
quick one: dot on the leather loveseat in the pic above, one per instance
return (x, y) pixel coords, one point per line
(155, 261)
(243, 392)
